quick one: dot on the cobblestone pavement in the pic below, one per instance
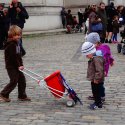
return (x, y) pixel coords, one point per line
(62, 52)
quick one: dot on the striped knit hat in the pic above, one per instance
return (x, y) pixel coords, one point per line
(88, 48)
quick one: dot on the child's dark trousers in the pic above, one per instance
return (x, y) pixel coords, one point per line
(96, 88)
(102, 89)
(15, 76)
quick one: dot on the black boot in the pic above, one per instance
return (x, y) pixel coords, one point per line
(110, 41)
(102, 40)
(106, 40)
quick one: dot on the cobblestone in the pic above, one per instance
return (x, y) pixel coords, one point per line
(47, 54)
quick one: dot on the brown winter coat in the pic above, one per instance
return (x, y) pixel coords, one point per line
(12, 54)
(95, 69)
(116, 26)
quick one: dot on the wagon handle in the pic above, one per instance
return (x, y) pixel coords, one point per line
(33, 72)
(30, 76)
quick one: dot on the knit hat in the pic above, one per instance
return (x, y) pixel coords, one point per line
(93, 38)
(88, 48)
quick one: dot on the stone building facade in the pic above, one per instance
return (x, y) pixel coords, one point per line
(75, 3)
(45, 14)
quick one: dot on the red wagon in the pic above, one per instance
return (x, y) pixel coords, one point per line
(57, 85)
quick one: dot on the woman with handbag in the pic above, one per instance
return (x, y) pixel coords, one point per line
(102, 15)
(95, 23)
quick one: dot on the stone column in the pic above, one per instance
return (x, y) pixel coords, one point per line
(43, 14)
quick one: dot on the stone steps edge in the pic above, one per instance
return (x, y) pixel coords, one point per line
(44, 33)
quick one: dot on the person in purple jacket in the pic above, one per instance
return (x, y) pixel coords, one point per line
(109, 61)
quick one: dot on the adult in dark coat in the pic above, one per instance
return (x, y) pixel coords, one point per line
(92, 16)
(18, 15)
(80, 17)
(69, 18)
(1, 26)
(102, 15)
(111, 12)
(63, 17)
(6, 24)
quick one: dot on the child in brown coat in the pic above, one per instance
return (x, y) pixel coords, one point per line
(95, 72)
(14, 65)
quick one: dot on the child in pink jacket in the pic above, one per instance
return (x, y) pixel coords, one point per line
(109, 61)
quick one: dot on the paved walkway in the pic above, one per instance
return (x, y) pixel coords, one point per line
(50, 53)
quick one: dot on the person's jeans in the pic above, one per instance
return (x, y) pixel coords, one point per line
(114, 38)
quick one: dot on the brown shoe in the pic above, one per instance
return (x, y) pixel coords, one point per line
(24, 99)
(4, 99)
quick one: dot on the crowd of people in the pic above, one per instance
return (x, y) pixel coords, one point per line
(15, 14)
(70, 22)
(106, 20)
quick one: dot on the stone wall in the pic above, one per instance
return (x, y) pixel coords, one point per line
(78, 3)
(75, 3)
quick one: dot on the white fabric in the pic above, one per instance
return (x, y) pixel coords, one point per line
(87, 23)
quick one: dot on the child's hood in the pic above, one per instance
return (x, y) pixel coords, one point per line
(98, 53)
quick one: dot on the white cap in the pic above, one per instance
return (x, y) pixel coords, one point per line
(88, 48)
(121, 19)
(93, 38)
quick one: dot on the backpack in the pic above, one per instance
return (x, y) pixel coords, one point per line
(119, 48)
(107, 56)
(123, 50)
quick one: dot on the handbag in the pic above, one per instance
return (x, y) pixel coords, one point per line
(97, 27)
(119, 48)
(123, 50)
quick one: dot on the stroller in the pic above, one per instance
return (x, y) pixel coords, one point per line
(121, 46)
(57, 85)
